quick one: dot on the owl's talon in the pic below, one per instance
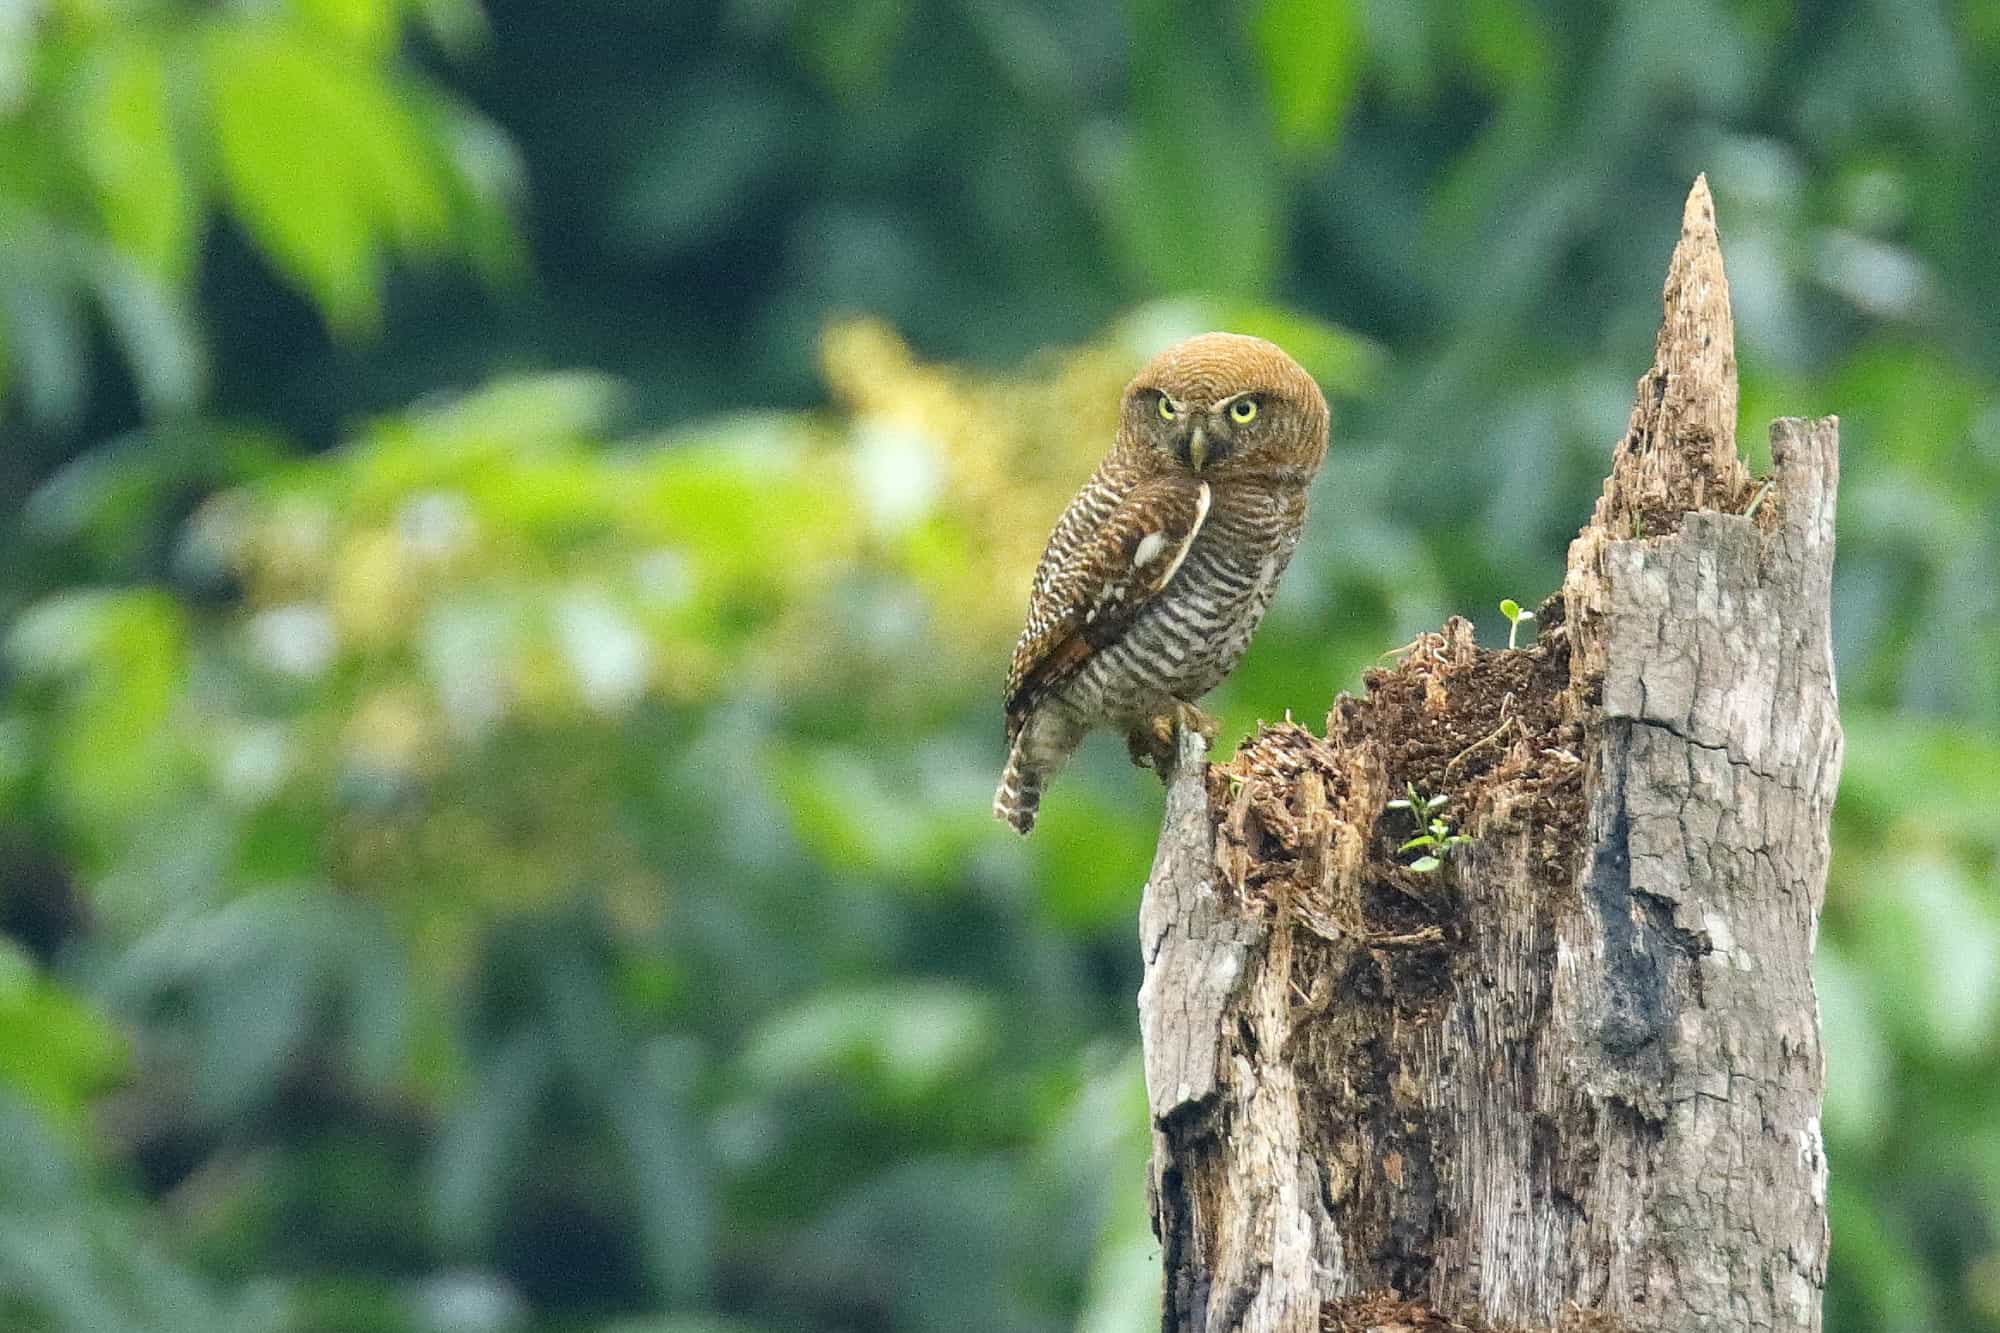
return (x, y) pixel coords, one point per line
(1187, 717)
(1155, 742)
(1151, 743)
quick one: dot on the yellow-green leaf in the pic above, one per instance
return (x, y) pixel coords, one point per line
(325, 166)
(1311, 55)
(55, 1050)
(368, 26)
(122, 122)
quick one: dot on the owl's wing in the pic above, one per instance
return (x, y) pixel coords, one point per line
(1085, 599)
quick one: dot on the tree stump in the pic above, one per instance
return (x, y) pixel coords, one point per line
(1571, 1078)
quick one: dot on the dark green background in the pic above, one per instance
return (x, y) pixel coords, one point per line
(499, 639)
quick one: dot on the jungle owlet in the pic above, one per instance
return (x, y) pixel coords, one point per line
(1162, 565)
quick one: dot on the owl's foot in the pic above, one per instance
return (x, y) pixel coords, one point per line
(1189, 718)
(1153, 743)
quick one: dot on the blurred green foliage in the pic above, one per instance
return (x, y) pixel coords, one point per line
(499, 629)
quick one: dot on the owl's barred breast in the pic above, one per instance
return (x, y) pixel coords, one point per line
(1197, 630)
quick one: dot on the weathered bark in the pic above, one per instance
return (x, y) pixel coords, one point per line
(1571, 1079)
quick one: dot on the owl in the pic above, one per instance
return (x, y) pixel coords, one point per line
(1161, 567)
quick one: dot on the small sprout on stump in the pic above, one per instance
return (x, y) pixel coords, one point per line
(1515, 615)
(1434, 835)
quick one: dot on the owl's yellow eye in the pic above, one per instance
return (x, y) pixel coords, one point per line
(1167, 412)
(1243, 411)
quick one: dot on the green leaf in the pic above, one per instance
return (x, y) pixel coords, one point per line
(43, 329)
(1424, 865)
(910, 1037)
(847, 42)
(120, 500)
(856, 818)
(516, 413)
(486, 177)
(1088, 853)
(665, 1155)
(1886, 1272)
(1934, 940)
(1192, 198)
(156, 332)
(55, 1051)
(457, 25)
(1940, 780)
(1510, 608)
(368, 26)
(322, 162)
(1860, 1068)
(1311, 52)
(483, 1136)
(121, 658)
(124, 137)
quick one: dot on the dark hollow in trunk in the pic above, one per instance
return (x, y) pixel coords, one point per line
(1571, 1078)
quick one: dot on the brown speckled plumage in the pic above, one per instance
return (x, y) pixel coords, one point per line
(1161, 567)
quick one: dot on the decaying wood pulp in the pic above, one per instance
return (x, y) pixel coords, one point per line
(1572, 1079)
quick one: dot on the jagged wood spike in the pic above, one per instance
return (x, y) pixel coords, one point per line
(1679, 453)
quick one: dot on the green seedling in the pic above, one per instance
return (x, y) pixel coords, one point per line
(1515, 615)
(1434, 835)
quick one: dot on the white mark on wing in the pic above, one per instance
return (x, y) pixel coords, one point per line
(1150, 549)
(1200, 514)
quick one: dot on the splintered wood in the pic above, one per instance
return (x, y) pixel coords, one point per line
(1569, 1080)
(1304, 824)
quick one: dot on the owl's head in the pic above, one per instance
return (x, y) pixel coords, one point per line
(1227, 405)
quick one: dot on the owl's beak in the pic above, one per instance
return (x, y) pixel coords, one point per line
(1197, 448)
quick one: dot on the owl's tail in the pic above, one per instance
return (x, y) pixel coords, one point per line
(1020, 793)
